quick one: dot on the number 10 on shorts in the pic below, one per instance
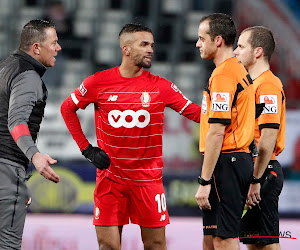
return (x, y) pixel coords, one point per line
(161, 202)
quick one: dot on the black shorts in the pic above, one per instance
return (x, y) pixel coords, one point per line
(265, 221)
(231, 180)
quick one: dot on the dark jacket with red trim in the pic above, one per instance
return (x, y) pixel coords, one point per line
(22, 102)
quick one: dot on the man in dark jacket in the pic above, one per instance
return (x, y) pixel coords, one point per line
(22, 101)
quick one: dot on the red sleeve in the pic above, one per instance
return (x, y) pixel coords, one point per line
(68, 111)
(171, 95)
(192, 112)
(174, 99)
(86, 93)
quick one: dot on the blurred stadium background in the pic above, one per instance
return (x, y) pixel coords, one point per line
(61, 215)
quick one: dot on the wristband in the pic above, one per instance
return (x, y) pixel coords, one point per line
(203, 182)
(254, 180)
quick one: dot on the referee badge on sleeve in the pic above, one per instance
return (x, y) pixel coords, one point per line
(271, 104)
(220, 101)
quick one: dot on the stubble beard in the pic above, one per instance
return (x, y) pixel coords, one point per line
(144, 65)
(140, 62)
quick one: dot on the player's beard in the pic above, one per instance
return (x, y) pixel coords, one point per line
(142, 63)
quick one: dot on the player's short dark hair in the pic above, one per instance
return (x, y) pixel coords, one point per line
(34, 31)
(221, 24)
(134, 27)
(262, 37)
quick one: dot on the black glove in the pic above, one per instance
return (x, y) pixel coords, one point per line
(96, 156)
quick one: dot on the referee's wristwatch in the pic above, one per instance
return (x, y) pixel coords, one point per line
(254, 180)
(203, 182)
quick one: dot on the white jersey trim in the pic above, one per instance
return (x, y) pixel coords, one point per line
(151, 124)
(137, 169)
(127, 136)
(128, 147)
(74, 98)
(131, 103)
(135, 159)
(104, 112)
(187, 104)
(118, 92)
(132, 179)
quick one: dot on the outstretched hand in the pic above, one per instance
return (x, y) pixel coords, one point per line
(42, 164)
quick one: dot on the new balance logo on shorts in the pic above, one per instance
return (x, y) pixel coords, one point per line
(163, 217)
(112, 98)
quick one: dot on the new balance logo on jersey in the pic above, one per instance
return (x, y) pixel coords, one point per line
(163, 217)
(112, 98)
(271, 104)
(220, 101)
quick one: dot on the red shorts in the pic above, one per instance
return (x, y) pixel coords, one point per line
(116, 203)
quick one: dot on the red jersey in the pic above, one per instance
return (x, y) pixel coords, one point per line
(129, 114)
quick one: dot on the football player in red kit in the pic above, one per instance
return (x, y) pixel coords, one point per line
(129, 113)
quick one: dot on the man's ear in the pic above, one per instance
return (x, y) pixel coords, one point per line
(126, 50)
(258, 52)
(219, 40)
(36, 48)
